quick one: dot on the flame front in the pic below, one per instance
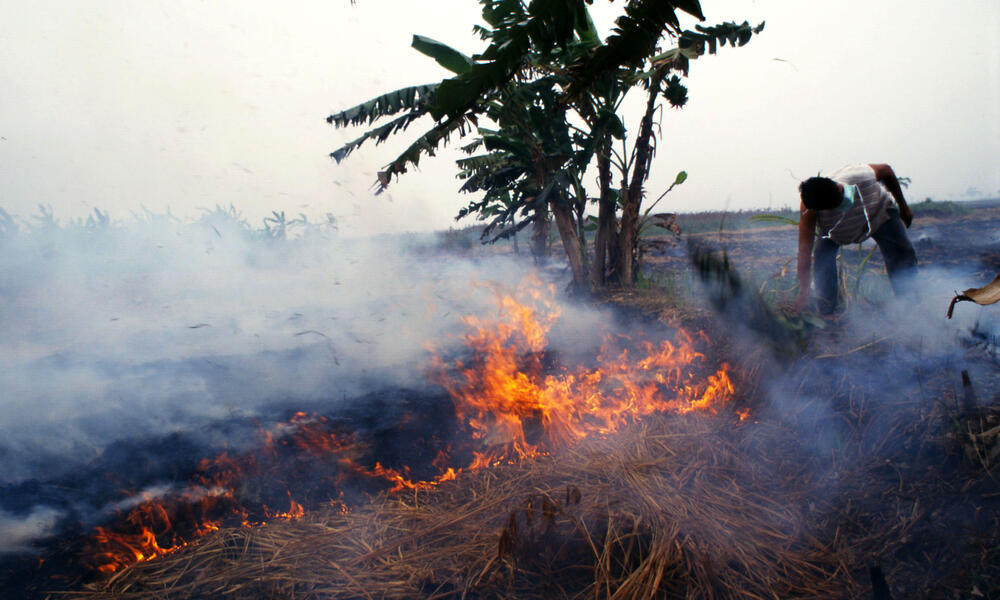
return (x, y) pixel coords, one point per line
(512, 397)
(518, 406)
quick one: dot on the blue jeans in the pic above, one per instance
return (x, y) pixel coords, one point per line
(897, 252)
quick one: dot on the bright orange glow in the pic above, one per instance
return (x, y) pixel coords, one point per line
(295, 510)
(513, 398)
(122, 549)
(516, 407)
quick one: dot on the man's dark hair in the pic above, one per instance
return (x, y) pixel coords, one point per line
(820, 193)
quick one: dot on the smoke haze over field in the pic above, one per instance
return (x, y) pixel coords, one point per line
(111, 331)
(126, 331)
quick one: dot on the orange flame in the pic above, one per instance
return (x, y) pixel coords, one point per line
(516, 407)
(295, 510)
(122, 549)
(511, 395)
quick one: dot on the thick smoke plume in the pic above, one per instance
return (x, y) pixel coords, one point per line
(128, 331)
(891, 346)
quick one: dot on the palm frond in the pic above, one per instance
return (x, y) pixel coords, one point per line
(379, 134)
(483, 161)
(473, 146)
(425, 144)
(635, 37)
(547, 24)
(713, 37)
(408, 98)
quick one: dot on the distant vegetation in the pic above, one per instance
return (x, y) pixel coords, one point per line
(711, 221)
(221, 221)
(463, 240)
(946, 208)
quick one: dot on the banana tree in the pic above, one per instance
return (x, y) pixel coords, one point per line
(522, 181)
(616, 250)
(531, 166)
(544, 61)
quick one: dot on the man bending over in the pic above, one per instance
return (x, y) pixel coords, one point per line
(852, 204)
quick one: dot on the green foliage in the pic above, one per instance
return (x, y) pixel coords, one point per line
(521, 38)
(98, 219)
(428, 144)
(727, 290)
(692, 44)
(446, 56)
(632, 42)
(379, 134)
(277, 225)
(408, 98)
(223, 219)
(411, 99)
(657, 220)
(528, 144)
(663, 283)
(459, 241)
(44, 220)
(714, 221)
(773, 218)
(859, 269)
(713, 37)
(930, 208)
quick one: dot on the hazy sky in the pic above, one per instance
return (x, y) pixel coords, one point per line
(184, 105)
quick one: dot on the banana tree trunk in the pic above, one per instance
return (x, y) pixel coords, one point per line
(571, 244)
(627, 239)
(606, 222)
(632, 192)
(540, 236)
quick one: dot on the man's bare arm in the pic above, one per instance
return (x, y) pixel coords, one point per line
(807, 232)
(887, 177)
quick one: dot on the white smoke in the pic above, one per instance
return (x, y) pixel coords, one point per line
(18, 531)
(918, 323)
(113, 331)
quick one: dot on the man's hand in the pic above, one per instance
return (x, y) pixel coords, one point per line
(887, 177)
(906, 214)
(807, 232)
(802, 302)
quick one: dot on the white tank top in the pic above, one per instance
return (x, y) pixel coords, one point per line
(866, 216)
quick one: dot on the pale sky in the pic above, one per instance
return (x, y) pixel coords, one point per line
(186, 105)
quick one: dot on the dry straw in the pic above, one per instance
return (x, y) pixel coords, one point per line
(848, 477)
(671, 508)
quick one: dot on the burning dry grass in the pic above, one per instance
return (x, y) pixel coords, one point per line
(673, 506)
(843, 475)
